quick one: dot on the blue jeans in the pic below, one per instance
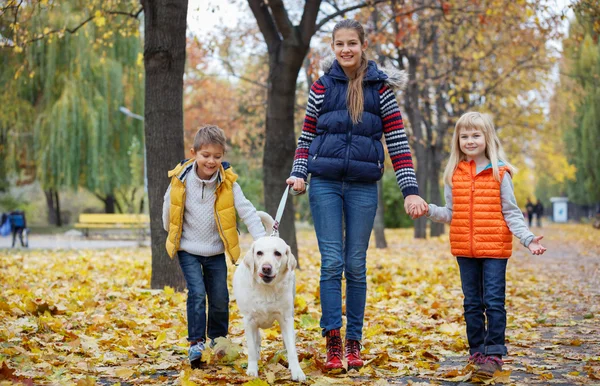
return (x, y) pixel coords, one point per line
(484, 287)
(331, 203)
(206, 276)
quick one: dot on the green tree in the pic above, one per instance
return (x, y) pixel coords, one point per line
(582, 67)
(75, 84)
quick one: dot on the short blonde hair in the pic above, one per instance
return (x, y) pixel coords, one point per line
(493, 148)
(209, 135)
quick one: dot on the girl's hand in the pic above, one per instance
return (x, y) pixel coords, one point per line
(297, 184)
(415, 206)
(535, 247)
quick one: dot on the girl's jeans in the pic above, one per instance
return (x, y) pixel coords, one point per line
(332, 202)
(484, 287)
(206, 276)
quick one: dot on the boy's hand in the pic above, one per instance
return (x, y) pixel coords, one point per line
(535, 247)
(415, 206)
(297, 184)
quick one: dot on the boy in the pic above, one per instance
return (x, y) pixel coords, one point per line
(199, 212)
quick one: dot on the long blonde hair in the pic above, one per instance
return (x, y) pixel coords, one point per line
(493, 148)
(354, 96)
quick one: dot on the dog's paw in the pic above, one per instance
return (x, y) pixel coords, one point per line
(298, 374)
(252, 370)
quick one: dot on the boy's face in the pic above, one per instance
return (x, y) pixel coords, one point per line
(208, 160)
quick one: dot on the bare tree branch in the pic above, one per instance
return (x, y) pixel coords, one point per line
(309, 18)
(265, 22)
(134, 15)
(345, 10)
(280, 16)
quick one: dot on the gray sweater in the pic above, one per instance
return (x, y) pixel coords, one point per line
(200, 235)
(511, 211)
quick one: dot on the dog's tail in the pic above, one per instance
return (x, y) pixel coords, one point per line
(267, 220)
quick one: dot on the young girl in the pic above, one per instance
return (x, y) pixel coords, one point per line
(483, 215)
(349, 109)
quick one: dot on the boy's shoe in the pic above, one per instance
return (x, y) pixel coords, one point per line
(353, 354)
(195, 354)
(334, 350)
(487, 369)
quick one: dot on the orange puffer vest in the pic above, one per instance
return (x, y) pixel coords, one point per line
(478, 228)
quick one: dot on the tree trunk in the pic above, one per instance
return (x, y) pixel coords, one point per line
(379, 225)
(418, 144)
(53, 204)
(285, 63)
(436, 228)
(164, 61)
(109, 203)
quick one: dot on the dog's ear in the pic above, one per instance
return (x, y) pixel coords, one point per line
(249, 260)
(291, 259)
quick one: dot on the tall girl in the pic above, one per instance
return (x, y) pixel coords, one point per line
(483, 215)
(349, 110)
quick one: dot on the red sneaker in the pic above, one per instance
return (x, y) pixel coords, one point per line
(334, 350)
(353, 354)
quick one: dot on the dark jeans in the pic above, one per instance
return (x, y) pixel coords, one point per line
(206, 276)
(484, 287)
(19, 231)
(331, 203)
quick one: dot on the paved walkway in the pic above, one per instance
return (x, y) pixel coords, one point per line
(62, 241)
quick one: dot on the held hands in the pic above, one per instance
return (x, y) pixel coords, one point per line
(415, 206)
(297, 184)
(535, 247)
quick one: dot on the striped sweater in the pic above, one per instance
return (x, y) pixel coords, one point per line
(393, 127)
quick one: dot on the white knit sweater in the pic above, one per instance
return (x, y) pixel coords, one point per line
(200, 235)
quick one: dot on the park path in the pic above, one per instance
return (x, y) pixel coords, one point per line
(564, 344)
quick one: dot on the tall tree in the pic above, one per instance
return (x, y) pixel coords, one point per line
(75, 83)
(287, 46)
(582, 70)
(164, 60)
(463, 55)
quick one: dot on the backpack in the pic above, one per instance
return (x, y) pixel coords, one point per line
(5, 228)
(17, 220)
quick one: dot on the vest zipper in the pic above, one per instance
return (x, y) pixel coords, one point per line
(203, 185)
(348, 141)
(222, 233)
(472, 239)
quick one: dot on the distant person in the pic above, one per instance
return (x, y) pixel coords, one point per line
(483, 215)
(199, 212)
(539, 212)
(530, 208)
(18, 225)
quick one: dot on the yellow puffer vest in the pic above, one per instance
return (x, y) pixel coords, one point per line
(478, 228)
(225, 214)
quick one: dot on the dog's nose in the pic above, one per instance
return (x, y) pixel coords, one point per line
(267, 269)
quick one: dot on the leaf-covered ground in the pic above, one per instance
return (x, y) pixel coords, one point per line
(84, 317)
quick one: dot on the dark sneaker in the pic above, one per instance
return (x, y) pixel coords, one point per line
(353, 354)
(476, 360)
(489, 367)
(195, 354)
(334, 350)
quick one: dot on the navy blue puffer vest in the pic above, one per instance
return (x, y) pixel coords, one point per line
(343, 150)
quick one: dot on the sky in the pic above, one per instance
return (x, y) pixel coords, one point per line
(208, 15)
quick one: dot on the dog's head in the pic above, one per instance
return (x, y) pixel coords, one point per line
(269, 259)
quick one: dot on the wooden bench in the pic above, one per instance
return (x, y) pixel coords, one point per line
(89, 221)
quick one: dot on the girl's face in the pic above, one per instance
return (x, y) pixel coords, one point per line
(348, 49)
(472, 143)
(208, 160)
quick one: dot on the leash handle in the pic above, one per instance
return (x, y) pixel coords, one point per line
(280, 210)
